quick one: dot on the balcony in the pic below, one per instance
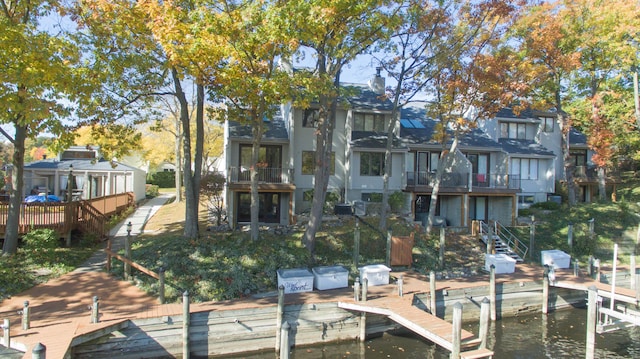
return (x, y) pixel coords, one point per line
(427, 179)
(274, 175)
(497, 181)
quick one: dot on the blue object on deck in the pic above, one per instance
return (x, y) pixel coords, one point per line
(42, 199)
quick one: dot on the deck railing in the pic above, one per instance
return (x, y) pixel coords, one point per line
(423, 178)
(90, 216)
(265, 175)
(494, 180)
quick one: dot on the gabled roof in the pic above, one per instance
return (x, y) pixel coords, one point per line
(524, 147)
(577, 139)
(361, 97)
(78, 165)
(367, 139)
(423, 134)
(507, 112)
(275, 129)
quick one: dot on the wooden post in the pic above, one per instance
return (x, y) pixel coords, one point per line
(365, 288)
(127, 254)
(570, 236)
(186, 320)
(632, 269)
(456, 331)
(483, 331)
(26, 324)
(285, 347)
(363, 315)
(590, 267)
(108, 255)
(432, 292)
(356, 290)
(490, 242)
(161, 285)
(6, 337)
(279, 316)
(441, 252)
(613, 276)
(95, 310)
(400, 283)
(596, 267)
(356, 244)
(576, 268)
(591, 322)
(39, 351)
(592, 231)
(532, 235)
(492, 291)
(545, 290)
(388, 257)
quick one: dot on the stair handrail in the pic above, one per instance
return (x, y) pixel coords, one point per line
(512, 241)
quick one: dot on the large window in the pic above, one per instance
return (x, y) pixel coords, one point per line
(578, 157)
(527, 168)
(371, 163)
(308, 163)
(368, 122)
(310, 118)
(513, 130)
(547, 123)
(268, 156)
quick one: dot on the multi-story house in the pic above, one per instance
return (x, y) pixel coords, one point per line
(477, 186)
(508, 162)
(286, 168)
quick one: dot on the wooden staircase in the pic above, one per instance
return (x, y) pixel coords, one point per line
(505, 242)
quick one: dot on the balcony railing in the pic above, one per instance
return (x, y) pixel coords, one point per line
(265, 175)
(428, 179)
(486, 180)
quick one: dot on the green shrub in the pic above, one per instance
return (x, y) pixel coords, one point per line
(152, 190)
(549, 205)
(165, 179)
(41, 244)
(397, 200)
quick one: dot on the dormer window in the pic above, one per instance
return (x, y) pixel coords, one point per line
(513, 130)
(547, 124)
(372, 122)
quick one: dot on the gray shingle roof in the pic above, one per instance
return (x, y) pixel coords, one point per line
(366, 139)
(78, 165)
(524, 147)
(507, 112)
(275, 129)
(475, 138)
(361, 97)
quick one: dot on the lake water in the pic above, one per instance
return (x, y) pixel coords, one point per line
(558, 335)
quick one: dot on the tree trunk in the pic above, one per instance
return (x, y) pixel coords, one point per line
(257, 131)
(444, 163)
(178, 154)
(565, 128)
(602, 184)
(10, 245)
(324, 141)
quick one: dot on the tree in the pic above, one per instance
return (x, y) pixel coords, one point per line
(145, 51)
(41, 84)
(212, 189)
(551, 51)
(253, 38)
(112, 139)
(336, 31)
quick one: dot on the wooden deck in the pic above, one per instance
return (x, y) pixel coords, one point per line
(60, 314)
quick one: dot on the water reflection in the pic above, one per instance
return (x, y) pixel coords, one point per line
(557, 335)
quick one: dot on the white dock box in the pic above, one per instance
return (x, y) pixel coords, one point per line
(502, 262)
(330, 277)
(295, 280)
(376, 274)
(558, 258)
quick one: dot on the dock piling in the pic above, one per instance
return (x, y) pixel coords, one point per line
(26, 324)
(95, 310)
(161, 271)
(6, 336)
(483, 331)
(492, 291)
(545, 290)
(591, 322)
(432, 292)
(186, 321)
(356, 290)
(279, 316)
(456, 331)
(285, 347)
(39, 351)
(400, 284)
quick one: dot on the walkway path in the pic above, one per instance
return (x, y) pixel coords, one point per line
(60, 308)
